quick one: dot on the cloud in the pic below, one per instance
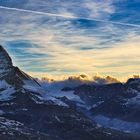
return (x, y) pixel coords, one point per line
(113, 60)
(70, 15)
(105, 80)
(77, 80)
(63, 45)
(98, 9)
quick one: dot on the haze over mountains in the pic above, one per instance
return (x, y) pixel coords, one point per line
(33, 110)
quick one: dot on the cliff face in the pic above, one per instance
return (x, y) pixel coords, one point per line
(11, 74)
(5, 61)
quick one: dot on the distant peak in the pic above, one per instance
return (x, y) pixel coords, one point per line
(5, 59)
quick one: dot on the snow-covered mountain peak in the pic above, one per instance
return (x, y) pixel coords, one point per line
(5, 60)
(11, 74)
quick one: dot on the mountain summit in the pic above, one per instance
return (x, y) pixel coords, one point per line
(5, 60)
(11, 74)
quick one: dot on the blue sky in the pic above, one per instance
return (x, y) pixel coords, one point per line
(65, 37)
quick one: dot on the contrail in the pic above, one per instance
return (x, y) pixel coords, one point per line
(69, 17)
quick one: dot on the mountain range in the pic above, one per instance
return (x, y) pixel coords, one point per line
(34, 110)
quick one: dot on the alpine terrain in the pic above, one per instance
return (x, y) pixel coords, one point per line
(34, 110)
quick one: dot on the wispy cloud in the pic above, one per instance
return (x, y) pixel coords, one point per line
(63, 41)
(68, 16)
(98, 9)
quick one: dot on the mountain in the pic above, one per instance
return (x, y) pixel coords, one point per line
(12, 75)
(115, 106)
(30, 111)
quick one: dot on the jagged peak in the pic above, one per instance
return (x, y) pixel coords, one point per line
(5, 59)
(11, 74)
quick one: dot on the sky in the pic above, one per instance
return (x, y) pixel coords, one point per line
(66, 37)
